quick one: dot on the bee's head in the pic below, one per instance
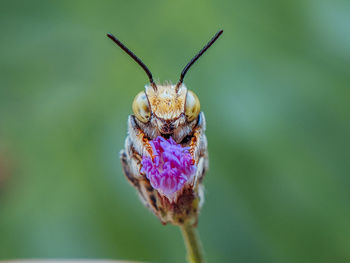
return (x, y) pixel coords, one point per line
(166, 107)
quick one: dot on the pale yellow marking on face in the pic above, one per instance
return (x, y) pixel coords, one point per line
(165, 102)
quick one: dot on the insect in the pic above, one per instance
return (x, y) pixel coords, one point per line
(168, 111)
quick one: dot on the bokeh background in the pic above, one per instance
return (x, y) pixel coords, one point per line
(275, 91)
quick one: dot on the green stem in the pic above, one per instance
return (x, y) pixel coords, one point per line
(193, 244)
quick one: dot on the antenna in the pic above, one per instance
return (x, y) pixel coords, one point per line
(196, 57)
(134, 57)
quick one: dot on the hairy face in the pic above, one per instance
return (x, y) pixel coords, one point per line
(166, 110)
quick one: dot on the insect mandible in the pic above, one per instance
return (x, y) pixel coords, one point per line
(168, 111)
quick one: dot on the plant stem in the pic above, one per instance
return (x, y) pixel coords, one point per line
(193, 244)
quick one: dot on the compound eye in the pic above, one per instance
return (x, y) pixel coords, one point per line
(192, 107)
(141, 108)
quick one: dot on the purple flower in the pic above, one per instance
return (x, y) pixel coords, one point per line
(170, 167)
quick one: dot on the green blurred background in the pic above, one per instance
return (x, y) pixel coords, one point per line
(275, 91)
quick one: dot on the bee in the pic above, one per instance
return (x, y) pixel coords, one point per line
(166, 110)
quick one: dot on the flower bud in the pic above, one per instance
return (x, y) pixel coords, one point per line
(171, 172)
